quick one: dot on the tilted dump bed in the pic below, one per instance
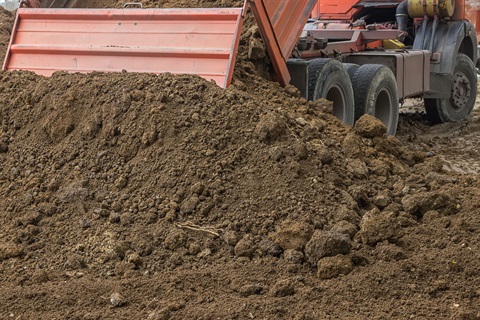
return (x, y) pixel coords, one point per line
(183, 41)
(200, 41)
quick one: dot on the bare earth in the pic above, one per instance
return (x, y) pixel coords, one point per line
(137, 196)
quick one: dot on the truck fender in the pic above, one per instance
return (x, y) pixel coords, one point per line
(451, 38)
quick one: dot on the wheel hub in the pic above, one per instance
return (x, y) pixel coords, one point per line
(461, 91)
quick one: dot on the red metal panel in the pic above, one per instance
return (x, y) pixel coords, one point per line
(281, 22)
(188, 41)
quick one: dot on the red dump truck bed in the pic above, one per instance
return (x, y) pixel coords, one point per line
(200, 41)
(188, 41)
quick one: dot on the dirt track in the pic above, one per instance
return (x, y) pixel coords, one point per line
(190, 201)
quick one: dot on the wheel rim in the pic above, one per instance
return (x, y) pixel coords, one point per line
(383, 106)
(337, 96)
(461, 91)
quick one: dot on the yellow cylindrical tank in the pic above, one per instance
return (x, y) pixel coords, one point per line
(445, 8)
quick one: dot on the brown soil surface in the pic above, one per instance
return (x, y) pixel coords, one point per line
(136, 196)
(6, 23)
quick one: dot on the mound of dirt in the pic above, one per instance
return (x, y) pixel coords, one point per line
(6, 24)
(165, 197)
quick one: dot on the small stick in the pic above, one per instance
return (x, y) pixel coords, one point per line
(191, 226)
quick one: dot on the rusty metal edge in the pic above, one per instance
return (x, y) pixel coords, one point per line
(271, 44)
(235, 44)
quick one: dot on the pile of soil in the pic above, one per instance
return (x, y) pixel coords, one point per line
(165, 197)
(6, 24)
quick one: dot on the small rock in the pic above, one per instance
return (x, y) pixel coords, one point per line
(175, 239)
(134, 258)
(332, 267)
(301, 151)
(379, 226)
(194, 249)
(294, 256)
(84, 223)
(149, 137)
(102, 213)
(122, 268)
(358, 168)
(293, 235)
(151, 217)
(292, 90)
(345, 227)
(420, 203)
(117, 206)
(325, 155)
(352, 146)
(10, 250)
(204, 253)
(245, 247)
(405, 220)
(117, 300)
(3, 147)
(189, 205)
(114, 217)
(121, 182)
(301, 121)
(325, 244)
(197, 188)
(270, 128)
(269, 248)
(346, 214)
(126, 218)
(382, 201)
(31, 218)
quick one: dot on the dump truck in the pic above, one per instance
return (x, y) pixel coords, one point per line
(366, 56)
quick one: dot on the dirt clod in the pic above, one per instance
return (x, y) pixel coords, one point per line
(283, 288)
(326, 244)
(369, 127)
(10, 250)
(293, 235)
(246, 247)
(378, 226)
(332, 267)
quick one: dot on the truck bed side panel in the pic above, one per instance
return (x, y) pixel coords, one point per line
(183, 41)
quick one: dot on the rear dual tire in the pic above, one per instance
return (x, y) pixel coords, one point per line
(355, 90)
(375, 90)
(329, 79)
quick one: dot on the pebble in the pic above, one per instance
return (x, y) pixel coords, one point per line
(117, 300)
